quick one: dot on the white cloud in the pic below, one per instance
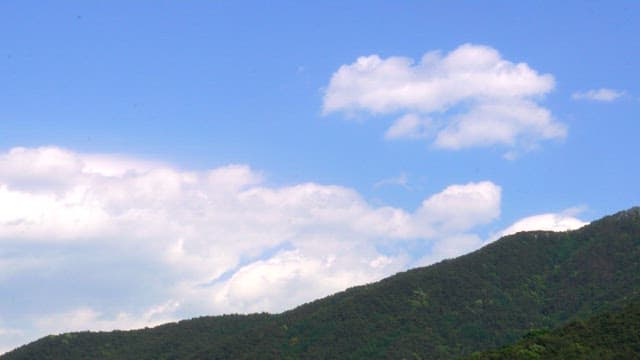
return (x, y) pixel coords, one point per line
(409, 126)
(549, 222)
(85, 318)
(602, 94)
(294, 277)
(172, 244)
(85, 234)
(460, 207)
(474, 96)
(514, 123)
(455, 245)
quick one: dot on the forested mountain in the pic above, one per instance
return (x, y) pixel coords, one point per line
(483, 300)
(611, 335)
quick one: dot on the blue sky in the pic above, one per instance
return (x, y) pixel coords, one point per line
(288, 107)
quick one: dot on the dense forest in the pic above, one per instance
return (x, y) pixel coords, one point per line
(484, 300)
(610, 335)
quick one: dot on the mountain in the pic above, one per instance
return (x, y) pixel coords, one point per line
(611, 335)
(480, 301)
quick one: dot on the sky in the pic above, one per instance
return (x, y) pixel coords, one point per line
(161, 160)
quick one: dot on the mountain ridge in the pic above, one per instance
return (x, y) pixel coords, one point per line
(479, 301)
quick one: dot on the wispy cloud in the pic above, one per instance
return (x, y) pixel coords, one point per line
(410, 126)
(401, 180)
(602, 95)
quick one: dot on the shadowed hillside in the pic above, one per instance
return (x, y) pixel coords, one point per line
(476, 302)
(611, 335)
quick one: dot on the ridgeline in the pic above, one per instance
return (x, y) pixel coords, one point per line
(484, 300)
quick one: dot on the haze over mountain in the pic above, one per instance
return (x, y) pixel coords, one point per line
(486, 299)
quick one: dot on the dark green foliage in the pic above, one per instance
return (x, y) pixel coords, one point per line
(169, 341)
(611, 335)
(480, 301)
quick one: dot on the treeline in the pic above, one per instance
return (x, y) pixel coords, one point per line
(480, 301)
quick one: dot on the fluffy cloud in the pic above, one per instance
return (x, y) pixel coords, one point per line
(603, 95)
(103, 242)
(454, 245)
(514, 123)
(460, 207)
(468, 97)
(548, 222)
(112, 242)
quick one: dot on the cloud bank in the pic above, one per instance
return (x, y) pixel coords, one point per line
(469, 97)
(108, 242)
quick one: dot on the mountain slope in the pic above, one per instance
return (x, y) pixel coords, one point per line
(479, 301)
(611, 335)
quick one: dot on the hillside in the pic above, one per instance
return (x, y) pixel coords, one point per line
(476, 302)
(611, 335)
